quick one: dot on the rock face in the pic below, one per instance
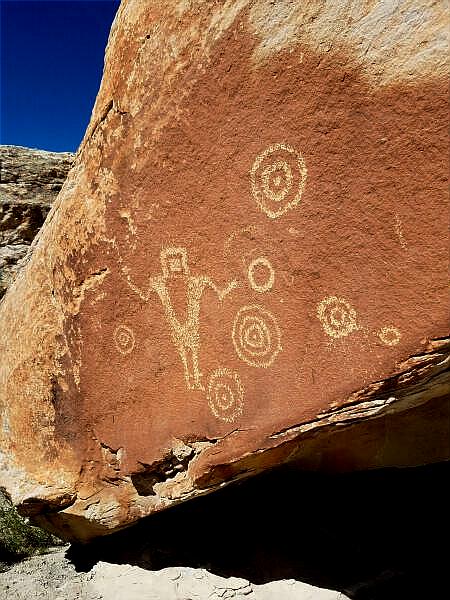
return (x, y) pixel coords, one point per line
(29, 182)
(247, 264)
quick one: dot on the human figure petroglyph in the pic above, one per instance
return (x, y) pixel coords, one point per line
(185, 335)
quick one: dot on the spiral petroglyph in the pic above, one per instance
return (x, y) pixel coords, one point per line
(278, 178)
(225, 394)
(337, 316)
(390, 336)
(256, 336)
(124, 339)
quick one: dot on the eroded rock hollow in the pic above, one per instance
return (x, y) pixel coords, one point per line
(247, 264)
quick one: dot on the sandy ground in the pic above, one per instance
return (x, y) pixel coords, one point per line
(53, 577)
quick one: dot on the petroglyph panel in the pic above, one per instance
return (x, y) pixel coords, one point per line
(256, 336)
(278, 178)
(225, 394)
(199, 166)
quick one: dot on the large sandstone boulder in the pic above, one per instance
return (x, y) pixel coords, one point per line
(247, 264)
(29, 182)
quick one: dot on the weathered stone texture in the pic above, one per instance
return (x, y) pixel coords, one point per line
(246, 265)
(29, 182)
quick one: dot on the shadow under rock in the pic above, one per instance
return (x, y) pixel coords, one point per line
(375, 535)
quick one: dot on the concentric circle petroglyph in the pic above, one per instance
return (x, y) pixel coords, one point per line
(256, 336)
(337, 316)
(124, 339)
(225, 394)
(278, 178)
(261, 264)
(390, 336)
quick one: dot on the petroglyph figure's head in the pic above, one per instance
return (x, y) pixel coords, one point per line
(174, 262)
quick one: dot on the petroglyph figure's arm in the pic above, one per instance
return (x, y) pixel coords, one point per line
(225, 291)
(143, 294)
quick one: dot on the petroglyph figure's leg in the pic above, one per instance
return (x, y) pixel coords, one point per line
(185, 336)
(195, 368)
(189, 358)
(184, 360)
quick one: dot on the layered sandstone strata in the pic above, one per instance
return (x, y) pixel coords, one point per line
(29, 182)
(247, 264)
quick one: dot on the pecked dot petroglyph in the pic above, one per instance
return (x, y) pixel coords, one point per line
(278, 178)
(256, 336)
(225, 394)
(337, 316)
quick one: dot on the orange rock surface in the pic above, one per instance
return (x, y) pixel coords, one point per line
(246, 265)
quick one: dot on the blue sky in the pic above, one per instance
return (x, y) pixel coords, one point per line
(51, 66)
